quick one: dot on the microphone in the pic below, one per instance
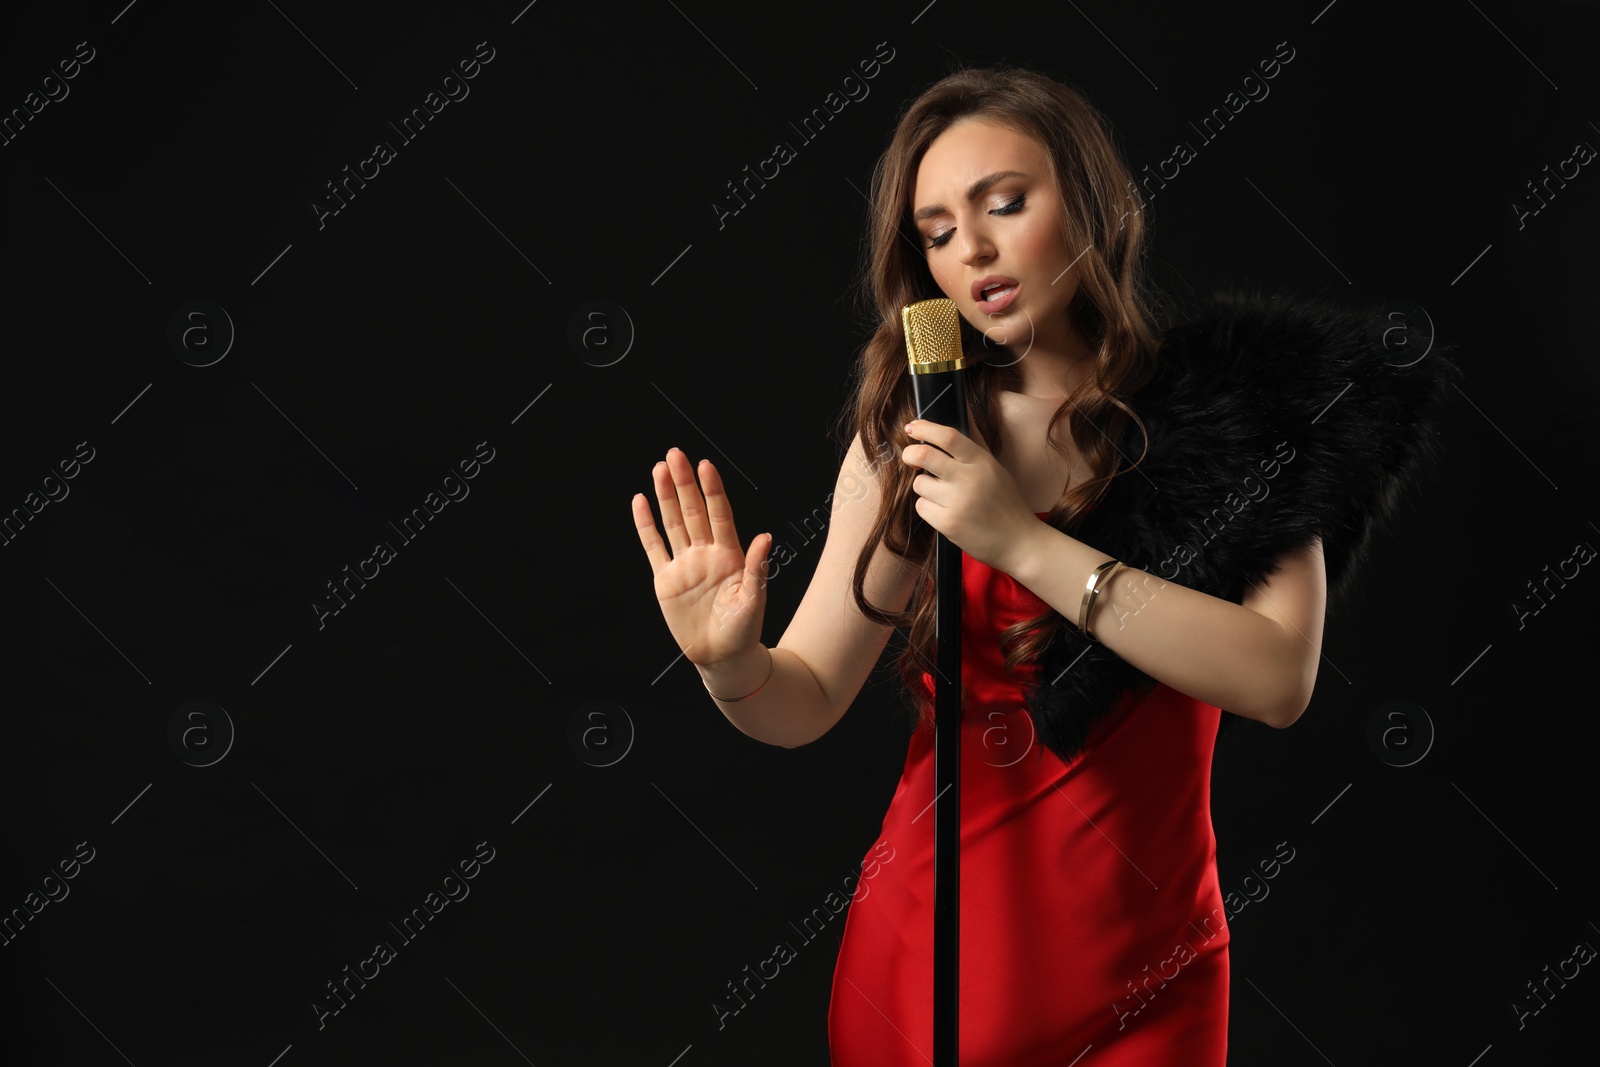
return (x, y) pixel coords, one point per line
(937, 364)
(933, 347)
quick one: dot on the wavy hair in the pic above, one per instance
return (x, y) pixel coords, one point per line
(1114, 310)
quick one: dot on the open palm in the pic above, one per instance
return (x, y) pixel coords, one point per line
(712, 592)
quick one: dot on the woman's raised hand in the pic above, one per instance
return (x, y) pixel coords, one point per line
(712, 592)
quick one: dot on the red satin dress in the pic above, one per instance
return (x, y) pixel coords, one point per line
(1092, 924)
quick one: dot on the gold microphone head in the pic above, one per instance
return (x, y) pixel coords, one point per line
(933, 335)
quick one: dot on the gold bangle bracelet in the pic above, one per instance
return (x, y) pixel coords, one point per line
(1098, 580)
(771, 666)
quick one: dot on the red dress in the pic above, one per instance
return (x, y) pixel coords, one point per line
(1091, 916)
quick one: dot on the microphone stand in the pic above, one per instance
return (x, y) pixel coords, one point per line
(933, 343)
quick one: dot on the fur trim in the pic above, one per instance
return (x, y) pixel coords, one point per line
(1271, 420)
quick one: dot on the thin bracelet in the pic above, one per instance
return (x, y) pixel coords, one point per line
(1099, 579)
(770, 667)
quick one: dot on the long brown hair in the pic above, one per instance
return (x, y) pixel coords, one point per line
(1113, 311)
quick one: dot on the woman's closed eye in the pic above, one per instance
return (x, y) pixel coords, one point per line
(1010, 207)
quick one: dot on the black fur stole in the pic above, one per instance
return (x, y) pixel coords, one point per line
(1272, 419)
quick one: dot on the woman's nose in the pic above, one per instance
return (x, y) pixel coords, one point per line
(975, 255)
(974, 245)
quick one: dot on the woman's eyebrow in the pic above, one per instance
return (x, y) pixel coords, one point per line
(973, 193)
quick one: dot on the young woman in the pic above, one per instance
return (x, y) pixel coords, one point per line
(1207, 465)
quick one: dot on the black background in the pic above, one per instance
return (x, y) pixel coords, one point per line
(433, 312)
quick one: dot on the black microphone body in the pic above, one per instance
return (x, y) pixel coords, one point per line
(937, 373)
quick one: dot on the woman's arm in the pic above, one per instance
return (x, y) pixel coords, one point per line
(1257, 658)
